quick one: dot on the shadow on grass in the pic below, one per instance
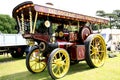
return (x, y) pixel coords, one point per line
(44, 75)
(81, 66)
(27, 76)
(9, 59)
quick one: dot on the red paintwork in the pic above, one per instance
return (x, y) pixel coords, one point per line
(64, 44)
(85, 31)
(69, 15)
(41, 37)
(66, 34)
(80, 52)
(73, 36)
(77, 52)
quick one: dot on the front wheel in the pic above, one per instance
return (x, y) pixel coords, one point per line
(35, 61)
(58, 63)
(95, 50)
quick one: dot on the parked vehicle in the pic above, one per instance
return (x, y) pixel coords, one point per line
(14, 44)
(61, 38)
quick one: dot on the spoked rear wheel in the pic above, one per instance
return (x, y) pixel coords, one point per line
(35, 62)
(58, 63)
(95, 50)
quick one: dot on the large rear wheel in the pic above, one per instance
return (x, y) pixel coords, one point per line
(58, 63)
(35, 61)
(95, 50)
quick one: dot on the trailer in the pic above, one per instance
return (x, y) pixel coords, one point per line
(62, 38)
(14, 44)
(112, 38)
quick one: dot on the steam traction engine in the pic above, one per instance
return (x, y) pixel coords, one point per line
(58, 38)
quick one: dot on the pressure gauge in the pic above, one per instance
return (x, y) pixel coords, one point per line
(47, 23)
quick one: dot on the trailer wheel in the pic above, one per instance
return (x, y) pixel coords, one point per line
(35, 61)
(17, 52)
(95, 50)
(58, 63)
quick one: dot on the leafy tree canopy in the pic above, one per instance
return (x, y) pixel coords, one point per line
(7, 24)
(114, 17)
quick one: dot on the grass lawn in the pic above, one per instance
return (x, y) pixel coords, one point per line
(15, 69)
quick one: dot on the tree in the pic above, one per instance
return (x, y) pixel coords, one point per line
(117, 19)
(100, 13)
(114, 17)
(7, 24)
(117, 12)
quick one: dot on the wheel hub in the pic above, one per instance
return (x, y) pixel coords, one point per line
(95, 50)
(59, 62)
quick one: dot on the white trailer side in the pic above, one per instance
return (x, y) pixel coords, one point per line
(12, 43)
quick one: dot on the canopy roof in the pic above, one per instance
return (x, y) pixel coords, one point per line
(47, 11)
